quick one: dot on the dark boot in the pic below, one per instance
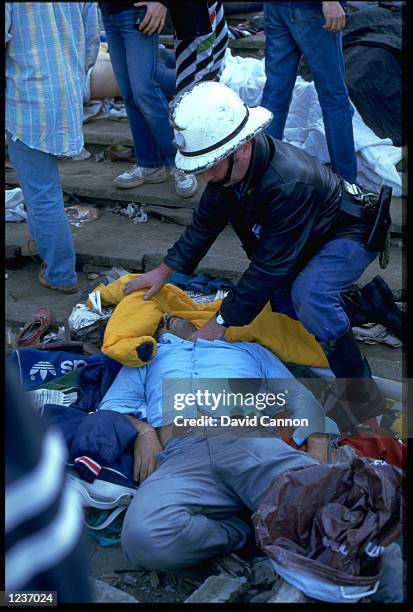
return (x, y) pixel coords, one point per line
(355, 397)
(380, 301)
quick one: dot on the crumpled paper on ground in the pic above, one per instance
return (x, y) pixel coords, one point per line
(133, 211)
(82, 316)
(14, 205)
(78, 215)
(374, 333)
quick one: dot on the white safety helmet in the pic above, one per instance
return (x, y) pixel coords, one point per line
(210, 123)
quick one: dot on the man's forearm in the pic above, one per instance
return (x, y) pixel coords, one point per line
(164, 433)
(141, 426)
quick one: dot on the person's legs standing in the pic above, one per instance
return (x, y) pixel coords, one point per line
(123, 39)
(282, 56)
(135, 57)
(324, 53)
(38, 175)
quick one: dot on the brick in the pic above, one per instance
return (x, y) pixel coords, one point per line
(105, 593)
(219, 589)
(287, 593)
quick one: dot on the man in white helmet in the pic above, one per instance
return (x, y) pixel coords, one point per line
(304, 232)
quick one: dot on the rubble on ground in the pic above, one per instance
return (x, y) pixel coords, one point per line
(224, 580)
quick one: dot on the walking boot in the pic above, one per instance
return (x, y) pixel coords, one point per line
(355, 396)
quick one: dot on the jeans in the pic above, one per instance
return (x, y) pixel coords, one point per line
(194, 506)
(38, 175)
(289, 32)
(166, 72)
(315, 295)
(134, 59)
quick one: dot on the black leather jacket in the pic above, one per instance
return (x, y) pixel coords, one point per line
(283, 211)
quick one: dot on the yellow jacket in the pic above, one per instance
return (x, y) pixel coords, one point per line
(129, 333)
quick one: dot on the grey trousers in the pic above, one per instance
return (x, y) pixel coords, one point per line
(188, 510)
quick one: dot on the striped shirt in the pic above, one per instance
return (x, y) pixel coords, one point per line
(201, 59)
(50, 46)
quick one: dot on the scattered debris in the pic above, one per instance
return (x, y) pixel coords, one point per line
(233, 565)
(219, 589)
(262, 597)
(84, 154)
(154, 580)
(287, 593)
(91, 110)
(99, 156)
(105, 593)
(374, 333)
(129, 580)
(133, 211)
(262, 572)
(14, 204)
(79, 214)
(82, 316)
(118, 152)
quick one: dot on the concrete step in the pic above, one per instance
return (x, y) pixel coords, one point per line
(91, 179)
(113, 240)
(105, 132)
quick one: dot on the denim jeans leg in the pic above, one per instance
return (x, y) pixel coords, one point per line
(316, 292)
(38, 175)
(282, 56)
(145, 148)
(134, 59)
(324, 54)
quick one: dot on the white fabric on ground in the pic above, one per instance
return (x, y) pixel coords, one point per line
(14, 205)
(376, 157)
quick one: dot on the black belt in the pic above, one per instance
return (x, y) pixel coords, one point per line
(355, 209)
(376, 214)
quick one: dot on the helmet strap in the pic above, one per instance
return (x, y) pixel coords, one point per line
(227, 176)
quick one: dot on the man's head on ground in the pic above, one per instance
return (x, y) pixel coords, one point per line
(176, 326)
(213, 132)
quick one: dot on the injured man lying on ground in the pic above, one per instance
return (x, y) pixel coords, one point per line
(208, 479)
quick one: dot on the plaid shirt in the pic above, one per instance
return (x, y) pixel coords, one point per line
(50, 46)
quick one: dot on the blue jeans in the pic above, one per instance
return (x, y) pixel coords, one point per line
(289, 32)
(134, 59)
(315, 294)
(166, 72)
(38, 175)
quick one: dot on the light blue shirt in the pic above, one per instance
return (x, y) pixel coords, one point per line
(181, 366)
(50, 47)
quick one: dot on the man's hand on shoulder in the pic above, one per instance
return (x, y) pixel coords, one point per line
(154, 279)
(210, 331)
(335, 16)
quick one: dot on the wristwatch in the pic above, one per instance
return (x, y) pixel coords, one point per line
(219, 319)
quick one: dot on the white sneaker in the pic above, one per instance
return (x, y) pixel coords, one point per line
(185, 184)
(138, 175)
